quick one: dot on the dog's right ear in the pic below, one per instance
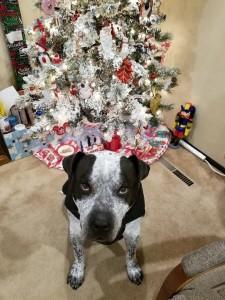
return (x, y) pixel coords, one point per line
(69, 162)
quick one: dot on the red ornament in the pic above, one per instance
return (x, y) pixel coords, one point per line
(56, 59)
(125, 71)
(60, 130)
(75, 17)
(115, 143)
(73, 90)
(153, 75)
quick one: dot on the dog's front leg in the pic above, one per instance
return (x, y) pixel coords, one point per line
(131, 237)
(75, 276)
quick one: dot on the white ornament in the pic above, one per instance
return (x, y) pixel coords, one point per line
(85, 91)
(125, 48)
(66, 111)
(132, 31)
(139, 115)
(93, 84)
(147, 82)
(148, 62)
(139, 69)
(70, 47)
(106, 43)
(95, 102)
(44, 59)
(154, 19)
(134, 4)
(142, 36)
(159, 115)
(117, 62)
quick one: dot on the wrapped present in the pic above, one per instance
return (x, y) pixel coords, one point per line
(53, 155)
(21, 143)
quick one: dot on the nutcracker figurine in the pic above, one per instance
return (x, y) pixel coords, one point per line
(183, 123)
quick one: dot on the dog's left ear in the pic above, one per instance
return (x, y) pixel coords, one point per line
(70, 162)
(141, 167)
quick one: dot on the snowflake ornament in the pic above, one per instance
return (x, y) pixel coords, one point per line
(139, 115)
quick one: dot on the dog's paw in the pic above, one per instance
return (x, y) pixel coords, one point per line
(75, 276)
(135, 273)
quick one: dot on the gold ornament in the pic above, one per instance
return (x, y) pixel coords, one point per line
(155, 103)
(2, 109)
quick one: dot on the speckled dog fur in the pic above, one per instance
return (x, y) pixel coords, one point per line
(105, 177)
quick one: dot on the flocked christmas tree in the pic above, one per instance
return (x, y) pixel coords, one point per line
(98, 60)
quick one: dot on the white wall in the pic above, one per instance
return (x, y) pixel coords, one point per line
(199, 30)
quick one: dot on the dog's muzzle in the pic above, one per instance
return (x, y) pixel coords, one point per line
(101, 225)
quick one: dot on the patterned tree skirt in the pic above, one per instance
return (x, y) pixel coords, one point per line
(154, 143)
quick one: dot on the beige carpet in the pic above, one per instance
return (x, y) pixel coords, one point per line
(34, 250)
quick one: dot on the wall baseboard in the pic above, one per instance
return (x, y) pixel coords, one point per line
(214, 163)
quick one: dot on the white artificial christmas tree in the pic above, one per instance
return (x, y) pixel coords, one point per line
(101, 61)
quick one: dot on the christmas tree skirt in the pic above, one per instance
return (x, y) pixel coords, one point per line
(152, 144)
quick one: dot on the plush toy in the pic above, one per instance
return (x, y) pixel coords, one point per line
(183, 123)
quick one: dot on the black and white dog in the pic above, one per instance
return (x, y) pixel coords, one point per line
(105, 202)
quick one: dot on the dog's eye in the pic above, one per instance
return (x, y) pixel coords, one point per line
(85, 187)
(123, 190)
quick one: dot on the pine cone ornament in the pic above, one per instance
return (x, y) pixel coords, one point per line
(124, 73)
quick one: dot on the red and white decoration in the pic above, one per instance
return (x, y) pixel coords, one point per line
(156, 143)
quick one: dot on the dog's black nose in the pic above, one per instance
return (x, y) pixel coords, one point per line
(101, 222)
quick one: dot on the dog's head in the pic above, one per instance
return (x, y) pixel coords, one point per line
(104, 186)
